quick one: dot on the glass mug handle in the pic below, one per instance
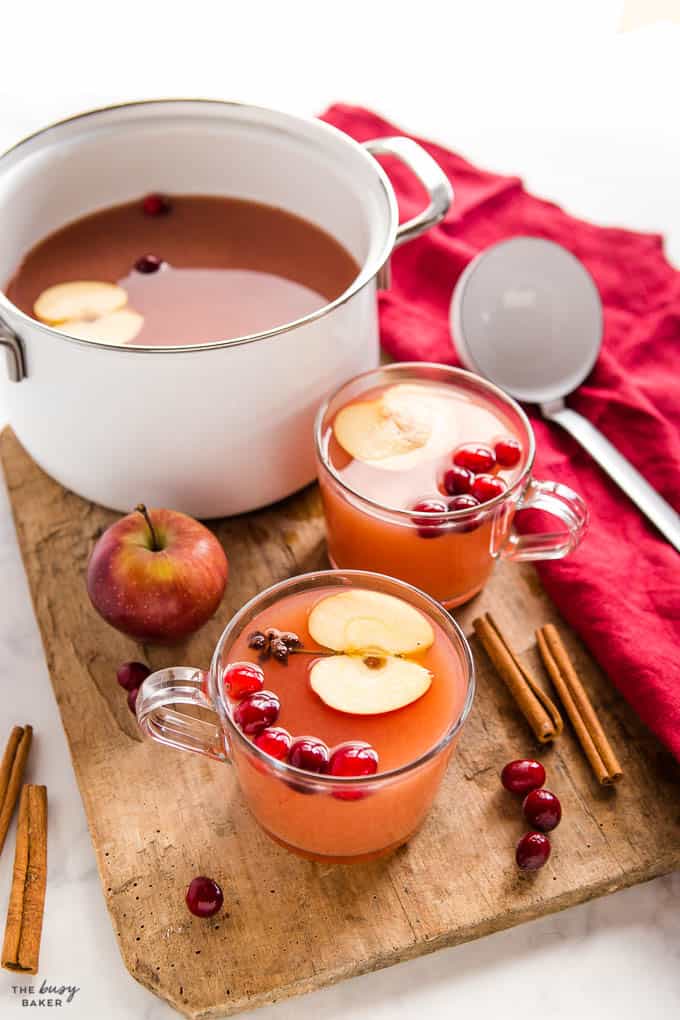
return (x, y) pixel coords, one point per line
(159, 718)
(563, 503)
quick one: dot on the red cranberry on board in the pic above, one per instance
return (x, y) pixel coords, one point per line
(542, 810)
(156, 205)
(508, 452)
(204, 897)
(310, 754)
(132, 675)
(533, 850)
(429, 529)
(148, 264)
(276, 741)
(475, 457)
(523, 775)
(132, 700)
(457, 480)
(257, 711)
(241, 678)
(486, 487)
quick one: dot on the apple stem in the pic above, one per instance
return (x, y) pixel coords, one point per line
(155, 544)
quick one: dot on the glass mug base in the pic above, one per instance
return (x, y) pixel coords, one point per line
(324, 816)
(364, 858)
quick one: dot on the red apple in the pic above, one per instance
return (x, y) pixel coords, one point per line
(157, 575)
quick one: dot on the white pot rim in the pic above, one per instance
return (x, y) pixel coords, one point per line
(289, 122)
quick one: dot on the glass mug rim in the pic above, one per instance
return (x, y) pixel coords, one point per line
(449, 372)
(319, 781)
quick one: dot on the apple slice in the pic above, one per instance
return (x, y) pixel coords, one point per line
(408, 423)
(359, 620)
(78, 300)
(348, 683)
(120, 327)
(398, 422)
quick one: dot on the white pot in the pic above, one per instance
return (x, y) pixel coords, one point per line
(211, 429)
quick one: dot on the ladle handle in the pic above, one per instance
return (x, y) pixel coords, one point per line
(620, 470)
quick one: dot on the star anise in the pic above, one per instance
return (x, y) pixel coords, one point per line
(272, 643)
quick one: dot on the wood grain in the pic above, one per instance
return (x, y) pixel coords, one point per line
(159, 817)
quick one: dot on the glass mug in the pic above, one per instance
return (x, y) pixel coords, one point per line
(348, 819)
(365, 534)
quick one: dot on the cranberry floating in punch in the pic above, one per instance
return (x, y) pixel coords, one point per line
(254, 275)
(422, 469)
(341, 754)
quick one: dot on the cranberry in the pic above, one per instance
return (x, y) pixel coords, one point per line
(429, 529)
(354, 758)
(523, 775)
(132, 700)
(457, 480)
(508, 452)
(533, 850)
(241, 678)
(310, 754)
(148, 264)
(204, 897)
(542, 809)
(475, 458)
(156, 205)
(486, 487)
(275, 741)
(256, 712)
(132, 675)
(465, 502)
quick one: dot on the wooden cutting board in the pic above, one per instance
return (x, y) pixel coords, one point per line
(158, 817)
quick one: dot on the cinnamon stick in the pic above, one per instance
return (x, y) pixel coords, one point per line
(11, 774)
(578, 706)
(21, 948)
(535, 705)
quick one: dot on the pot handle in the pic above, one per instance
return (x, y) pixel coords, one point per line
(430, 175)
(160, 716)
(16, 361)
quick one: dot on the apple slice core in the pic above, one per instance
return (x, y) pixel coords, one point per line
(347, 684)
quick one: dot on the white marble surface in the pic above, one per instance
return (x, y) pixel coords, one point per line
(551, 91)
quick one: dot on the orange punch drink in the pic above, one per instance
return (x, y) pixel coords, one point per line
(342, 695)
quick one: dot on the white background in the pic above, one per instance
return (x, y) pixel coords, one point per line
(553, 91)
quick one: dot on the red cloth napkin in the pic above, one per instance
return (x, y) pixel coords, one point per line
(621, 589)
